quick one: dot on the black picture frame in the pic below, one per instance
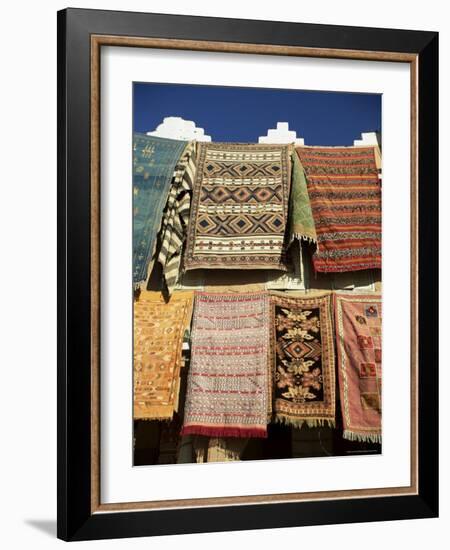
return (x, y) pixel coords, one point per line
(76, 520)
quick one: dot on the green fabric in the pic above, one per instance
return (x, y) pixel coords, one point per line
(301, 218)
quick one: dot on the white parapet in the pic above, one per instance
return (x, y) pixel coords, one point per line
(175, 127)
(367, 138)
(281, 134)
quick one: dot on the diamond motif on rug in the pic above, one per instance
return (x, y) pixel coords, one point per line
(240, 205)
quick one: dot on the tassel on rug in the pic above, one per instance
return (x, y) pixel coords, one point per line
(362, 437)
(300, 422)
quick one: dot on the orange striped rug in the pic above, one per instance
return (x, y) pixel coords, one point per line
(345, 194)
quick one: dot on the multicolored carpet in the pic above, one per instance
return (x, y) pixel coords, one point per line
(345, 194)
(302, 355)
(228, 381)
(358, 336)
(240, 207)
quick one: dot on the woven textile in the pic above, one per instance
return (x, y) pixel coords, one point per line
(345, 194)
(303, 360)
(176, 217)
(301, 218)
(228, 380)
(358, 337)
(240, 207)
(154, 161)
(159, 328)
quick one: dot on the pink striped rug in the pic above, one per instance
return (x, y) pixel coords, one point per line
(228, 381)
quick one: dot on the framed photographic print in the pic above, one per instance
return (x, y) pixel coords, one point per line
(247, 274)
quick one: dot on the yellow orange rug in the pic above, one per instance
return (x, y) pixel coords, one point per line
(159, 329)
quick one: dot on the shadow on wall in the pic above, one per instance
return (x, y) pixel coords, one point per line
(46, 526)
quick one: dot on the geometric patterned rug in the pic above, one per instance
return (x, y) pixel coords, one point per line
(159, 329)
(228, 380)
(302, 355)
(240, 207)
(358, 335)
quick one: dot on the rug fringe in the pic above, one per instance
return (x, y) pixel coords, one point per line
(299, 422)
(167, 419)
(224, 431)
(301, 237)
(158, 413)
(363, 437)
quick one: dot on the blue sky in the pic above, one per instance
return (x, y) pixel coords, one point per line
(244, 114)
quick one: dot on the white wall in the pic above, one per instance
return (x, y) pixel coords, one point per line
(367, 138)
(28, 279)
(281, 134)
(175, 127)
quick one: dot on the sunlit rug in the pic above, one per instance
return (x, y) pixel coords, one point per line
(358, 337)
(228, 380)
(240, 207)
(302, 355)
(154, 161)
(345, 194)
(176, 217)
(159, 329)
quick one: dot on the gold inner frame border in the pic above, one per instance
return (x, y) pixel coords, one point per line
(97, 41)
